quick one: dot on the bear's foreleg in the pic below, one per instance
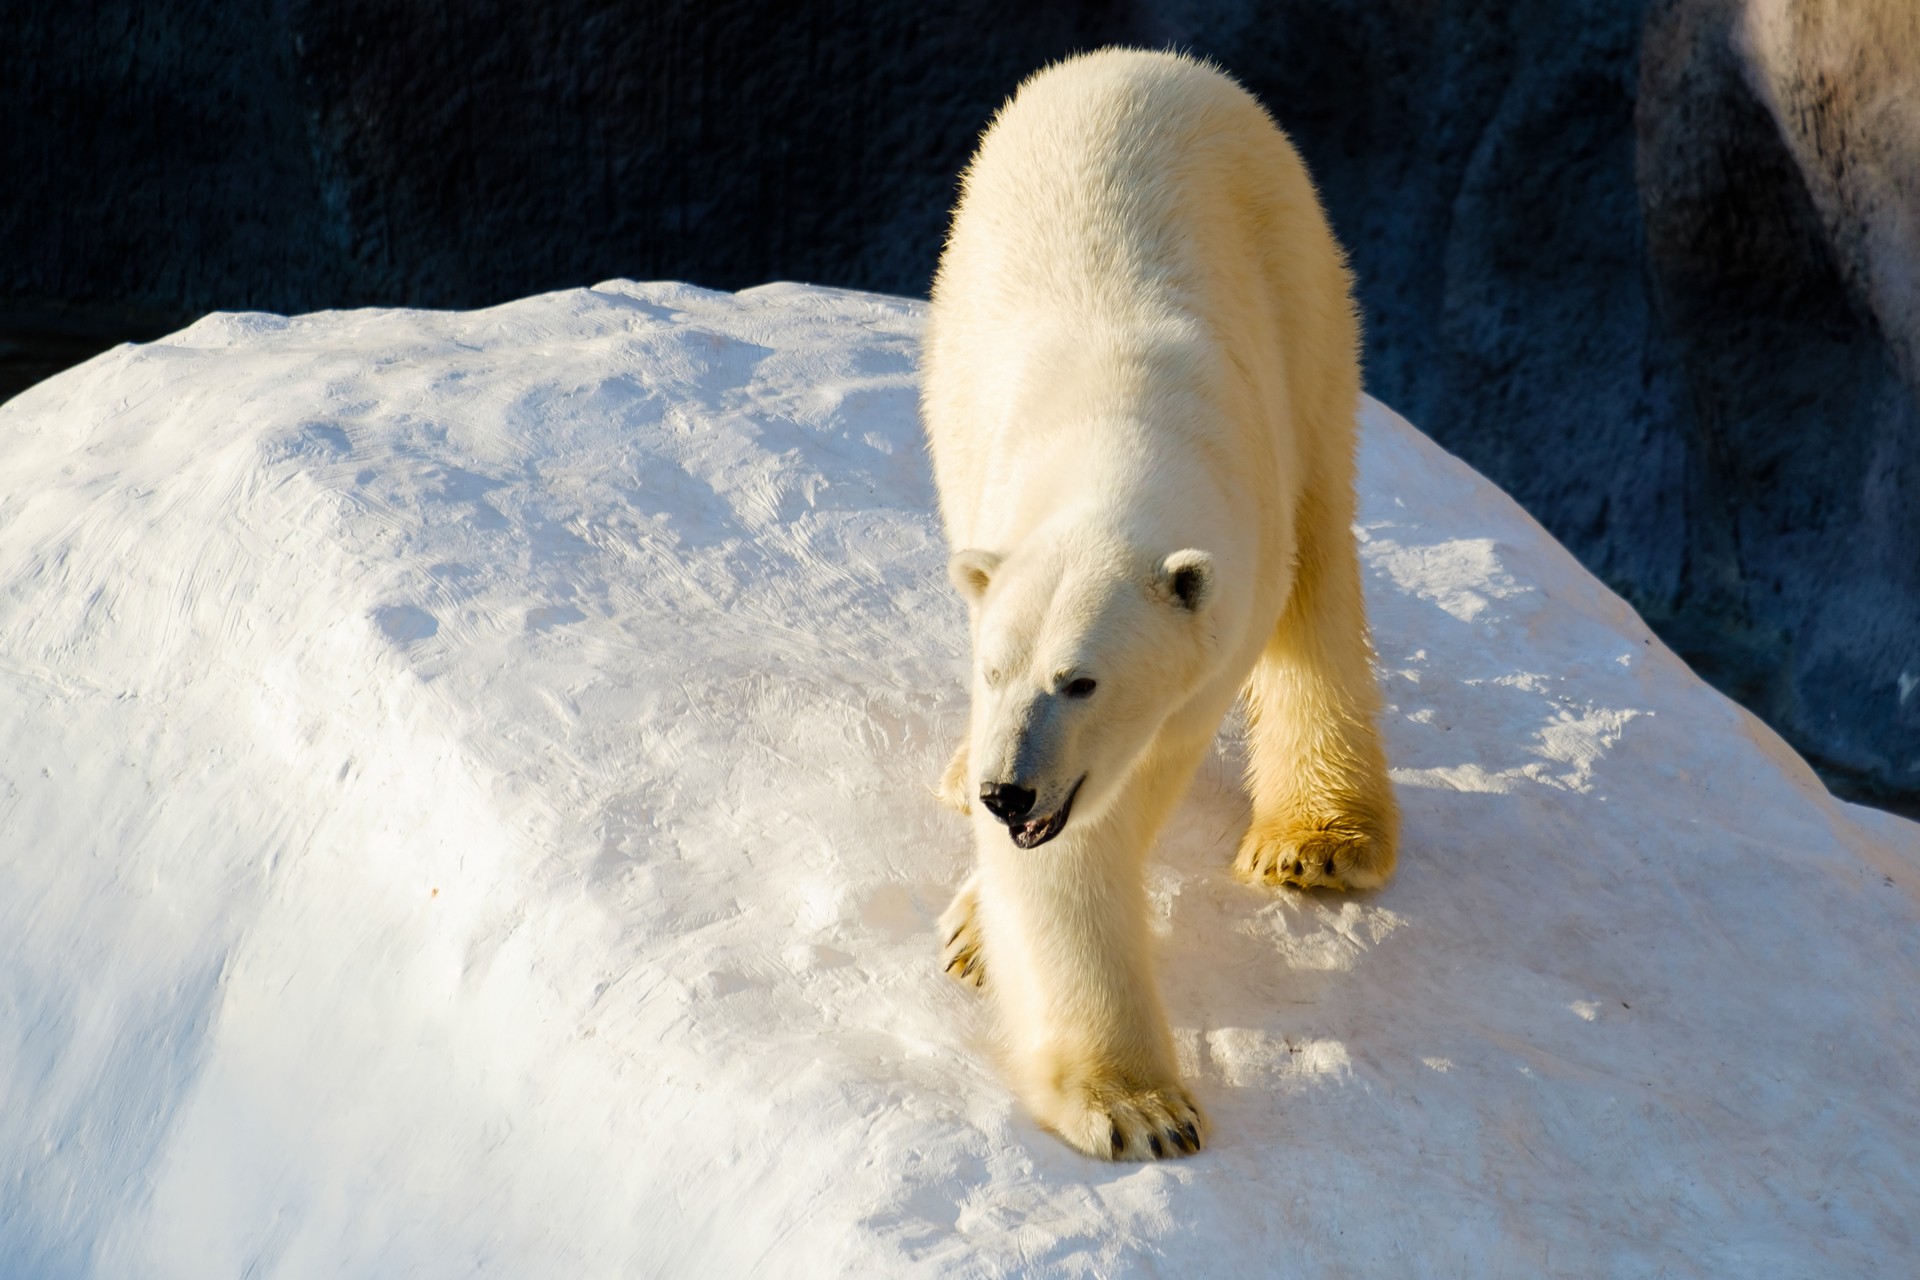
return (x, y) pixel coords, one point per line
(1070, 965)
(962, 955)
(1323, 808)
(951, 790)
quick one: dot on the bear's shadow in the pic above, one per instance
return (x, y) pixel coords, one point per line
(1272, 991)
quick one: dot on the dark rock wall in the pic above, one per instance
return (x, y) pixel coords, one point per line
(1779, 177)
(1649, 264)
(194, 154)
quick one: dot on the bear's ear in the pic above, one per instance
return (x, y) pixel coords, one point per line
(1186, 579)
(971, 570)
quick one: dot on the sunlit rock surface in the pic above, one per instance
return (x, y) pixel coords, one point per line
(465, 806)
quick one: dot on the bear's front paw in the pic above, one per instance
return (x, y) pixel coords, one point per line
(1336, 855)
(960, 926)
(1116, 1122)
(952, 788)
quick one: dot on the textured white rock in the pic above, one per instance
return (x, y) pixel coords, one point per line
(464, 806)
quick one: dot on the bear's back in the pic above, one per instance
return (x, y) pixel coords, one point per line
(1085, 182)
(1136, 240)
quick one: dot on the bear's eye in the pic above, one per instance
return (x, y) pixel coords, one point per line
(1081, 688)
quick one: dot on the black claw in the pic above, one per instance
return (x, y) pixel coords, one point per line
(955, 934)
(1153, 1141)
(1191, 1132)
(1118, 1145)
(1329, 864)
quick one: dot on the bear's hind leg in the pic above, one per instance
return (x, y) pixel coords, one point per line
(1323, 809)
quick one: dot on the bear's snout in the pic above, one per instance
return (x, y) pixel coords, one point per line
(1005, 801)
(1013, 805)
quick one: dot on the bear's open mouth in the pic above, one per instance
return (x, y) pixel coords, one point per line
(1035, 832)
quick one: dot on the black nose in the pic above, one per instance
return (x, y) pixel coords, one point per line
(1006, 802)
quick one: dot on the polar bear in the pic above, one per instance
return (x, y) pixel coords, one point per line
(1140, 382)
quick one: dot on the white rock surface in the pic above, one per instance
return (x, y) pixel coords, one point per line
(464, 808)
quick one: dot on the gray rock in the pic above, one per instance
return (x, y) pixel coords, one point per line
(1779, 172)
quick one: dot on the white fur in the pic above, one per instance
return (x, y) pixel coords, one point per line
(1140, 388)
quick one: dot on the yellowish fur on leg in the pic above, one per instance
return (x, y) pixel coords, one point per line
(1324, 814)
(1334, 853)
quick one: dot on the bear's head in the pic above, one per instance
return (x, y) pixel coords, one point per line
(1082, 648)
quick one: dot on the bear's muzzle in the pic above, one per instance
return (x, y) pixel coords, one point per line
(1031, 833)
